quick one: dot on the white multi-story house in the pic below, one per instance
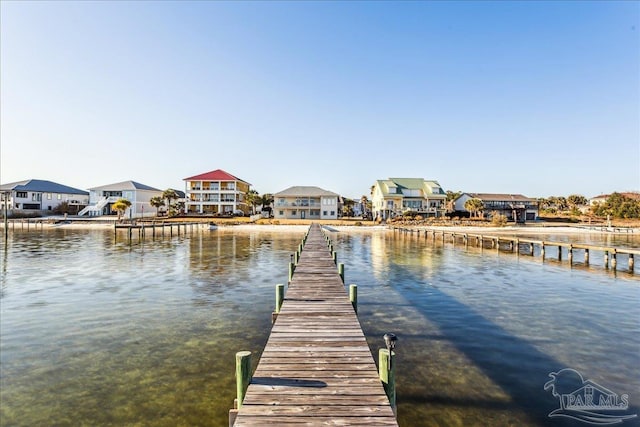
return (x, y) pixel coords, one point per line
(395, 196)
(515, 207)
(306, 202)
(36, 195)
(101, 198)
(216, 192)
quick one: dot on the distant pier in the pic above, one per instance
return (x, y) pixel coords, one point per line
(524, 246)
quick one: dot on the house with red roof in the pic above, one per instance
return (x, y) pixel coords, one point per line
(216, 192)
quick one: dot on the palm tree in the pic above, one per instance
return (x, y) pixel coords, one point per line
(348, 206)
(156, 202)
(253, 199)
(120, 206)
(265, 200)
(474, 206)
(169, 194)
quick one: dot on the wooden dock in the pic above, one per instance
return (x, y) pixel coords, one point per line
(520, 245)
(142, 227)
(316, 368)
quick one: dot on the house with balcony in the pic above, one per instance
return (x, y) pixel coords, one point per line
(102, 198)
(41, 196)
(306, 202)
(515, 207)
(216, 192)
(396, 196)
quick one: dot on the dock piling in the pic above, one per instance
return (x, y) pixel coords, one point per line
(243, 374)
(353, 296)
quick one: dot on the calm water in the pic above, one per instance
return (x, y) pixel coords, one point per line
(101, 333)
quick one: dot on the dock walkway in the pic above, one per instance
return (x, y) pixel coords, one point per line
(316, 368)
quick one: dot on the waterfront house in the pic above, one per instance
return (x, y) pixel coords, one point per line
(102, 198)
(41, 197)
(395, 196)
(216, 192)
(306, 202)
(515, 207)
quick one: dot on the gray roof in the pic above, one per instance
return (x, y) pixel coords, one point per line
(41, 186)
(125, 185)
(492, 197)
(305, 191)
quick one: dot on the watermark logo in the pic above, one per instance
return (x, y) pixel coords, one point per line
(586, 401)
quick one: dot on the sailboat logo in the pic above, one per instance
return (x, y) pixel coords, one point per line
(586, 401)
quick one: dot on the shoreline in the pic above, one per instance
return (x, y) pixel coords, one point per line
(97, 224)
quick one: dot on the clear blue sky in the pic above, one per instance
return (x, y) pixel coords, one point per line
(539, 98)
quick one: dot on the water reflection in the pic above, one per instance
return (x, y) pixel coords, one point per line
(99, 333)
(484, 328)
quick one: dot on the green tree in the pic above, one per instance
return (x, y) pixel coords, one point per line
(170, 194)
(120, 206)
(366, 205)
(576, 200)
(157, 202)
(452, 196)
(348, 206)
(474, 206)
(253, 200)
(266, 200)
(618, 206)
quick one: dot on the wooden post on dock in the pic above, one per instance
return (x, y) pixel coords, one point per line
(614, 260)
(291, 269)
(559, 253)
(586, 256)
(606, 259)
(334, 255)
(353, 296)
(243, 374)
(279, 301)
(570, 254)
(631, 262)
(386, 370)
(542, 250)
(341, 271)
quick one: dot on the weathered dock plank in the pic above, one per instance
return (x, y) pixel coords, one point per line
(316, 368)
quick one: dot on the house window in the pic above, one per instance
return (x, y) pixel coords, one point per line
(21, 195)
(324, 213)
(294, 212)
(59, 196)
(48, 196)
(333, 213)
(281, 213)
(36, 197)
